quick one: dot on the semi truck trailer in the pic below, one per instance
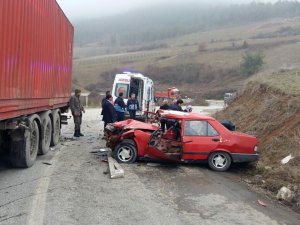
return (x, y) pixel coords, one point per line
(36, 44)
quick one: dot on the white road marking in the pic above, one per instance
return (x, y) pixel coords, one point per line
(39, 201)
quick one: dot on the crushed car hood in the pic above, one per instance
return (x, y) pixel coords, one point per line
(134, 124)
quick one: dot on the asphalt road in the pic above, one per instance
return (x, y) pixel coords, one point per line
(73, 188)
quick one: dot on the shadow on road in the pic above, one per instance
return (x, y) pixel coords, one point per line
(4, 162)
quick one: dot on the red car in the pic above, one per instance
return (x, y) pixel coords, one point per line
(190, 137)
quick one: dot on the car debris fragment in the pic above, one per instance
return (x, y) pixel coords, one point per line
(116, 171)
(285, 160)
(114, 168)
(262, 203)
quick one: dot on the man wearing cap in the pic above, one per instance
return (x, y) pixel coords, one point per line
(76, 109)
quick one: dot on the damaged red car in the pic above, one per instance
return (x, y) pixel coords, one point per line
(189, 138)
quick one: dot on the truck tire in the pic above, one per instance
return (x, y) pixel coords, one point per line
(46, 133)
(56, 128)
(25, 146)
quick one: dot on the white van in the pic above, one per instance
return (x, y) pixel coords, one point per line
(136, 83)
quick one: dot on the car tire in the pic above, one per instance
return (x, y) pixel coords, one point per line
(125, 152)
(219, 161)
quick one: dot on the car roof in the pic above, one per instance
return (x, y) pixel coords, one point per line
(170, 114)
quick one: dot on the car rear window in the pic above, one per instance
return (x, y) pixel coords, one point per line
(199, 128)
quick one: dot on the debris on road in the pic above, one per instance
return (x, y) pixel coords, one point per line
(116, 171)
(285, 194)
(46, 163)
(262, 203)
(287, 159)
(102, 152)
(153, 164)
(247, 181)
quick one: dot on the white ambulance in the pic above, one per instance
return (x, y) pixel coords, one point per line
(139, 84)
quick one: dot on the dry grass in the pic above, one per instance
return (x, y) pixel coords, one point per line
(269, 108)
(287, 82)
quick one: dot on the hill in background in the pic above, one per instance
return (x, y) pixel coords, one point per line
(202, 57)
(174, 20)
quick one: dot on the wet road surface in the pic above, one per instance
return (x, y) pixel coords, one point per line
(70, 186)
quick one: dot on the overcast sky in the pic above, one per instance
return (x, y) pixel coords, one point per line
(76, 9)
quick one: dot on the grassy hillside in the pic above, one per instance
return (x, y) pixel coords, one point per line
(212, 57)
(269, 108)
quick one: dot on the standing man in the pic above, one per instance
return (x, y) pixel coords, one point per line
(177, 106)
(108, 110)
(120, 107)
(132, 106)
(103, 100)
(76, 109)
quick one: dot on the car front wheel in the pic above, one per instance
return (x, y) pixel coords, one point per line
(219, 161)
(125, 153)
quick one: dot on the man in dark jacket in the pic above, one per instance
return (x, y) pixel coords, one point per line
(132, 106)
(177, 106)
(103, 100)
(120, 107)
(108, 110)
(165, 105)
(76, 109)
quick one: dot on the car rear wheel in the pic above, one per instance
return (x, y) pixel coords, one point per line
(219, 161)
(125, 153)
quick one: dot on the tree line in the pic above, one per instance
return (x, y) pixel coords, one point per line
(168, 21)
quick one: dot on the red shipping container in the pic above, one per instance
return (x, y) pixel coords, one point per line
(36, 41)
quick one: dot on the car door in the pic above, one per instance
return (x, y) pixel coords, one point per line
(165, 146)
(199, 138)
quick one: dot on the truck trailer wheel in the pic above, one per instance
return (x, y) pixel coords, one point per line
(24, 146)
(46, 134)
(56, 129)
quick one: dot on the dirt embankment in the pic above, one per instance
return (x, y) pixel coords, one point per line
(269, 108)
